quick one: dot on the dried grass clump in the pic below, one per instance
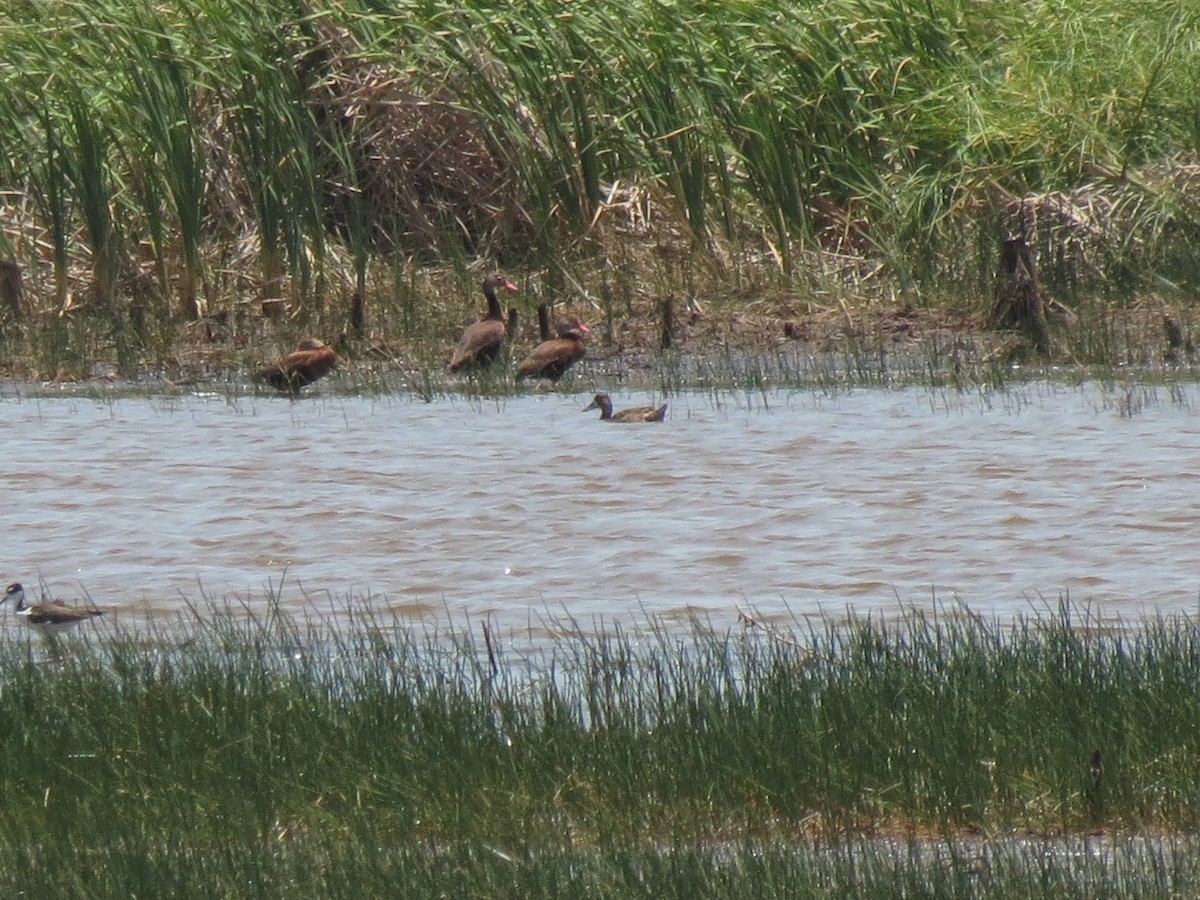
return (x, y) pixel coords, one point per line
(1116, 220)
(424, 166)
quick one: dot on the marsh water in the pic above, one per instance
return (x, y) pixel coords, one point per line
(524, 508)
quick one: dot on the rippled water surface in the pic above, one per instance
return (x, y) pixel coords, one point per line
(522, 507)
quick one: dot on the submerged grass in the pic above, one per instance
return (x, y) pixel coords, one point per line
(248, 747)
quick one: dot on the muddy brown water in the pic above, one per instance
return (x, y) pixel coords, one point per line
(786, 504)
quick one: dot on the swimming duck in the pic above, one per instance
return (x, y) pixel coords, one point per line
(50, 618)
(312, 359)
(482, 341)
(551, 359)
(603, 403)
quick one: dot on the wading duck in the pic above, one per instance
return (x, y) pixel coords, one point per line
(312, 359)
(603, 403)
(551, 359)
(50, 618)
(482, 341)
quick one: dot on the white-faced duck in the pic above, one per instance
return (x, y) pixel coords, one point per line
(603, 403)
(482, 341)
(49, 618)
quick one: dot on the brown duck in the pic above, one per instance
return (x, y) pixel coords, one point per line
(603, 403)
(482, 341)
(551, 358)
(312, 359)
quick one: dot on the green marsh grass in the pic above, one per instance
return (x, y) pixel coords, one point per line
(243, 742)
(222, 151)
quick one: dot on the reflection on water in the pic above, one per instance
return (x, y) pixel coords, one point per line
(523, 506)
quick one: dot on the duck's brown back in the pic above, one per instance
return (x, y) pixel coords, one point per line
(311, 360)
(551, 359)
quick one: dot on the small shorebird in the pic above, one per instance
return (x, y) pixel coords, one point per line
(51, 618)
(603, 403)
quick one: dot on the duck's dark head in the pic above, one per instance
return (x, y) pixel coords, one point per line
(14, 592)
(573, 330)
(497, 282)
(600, 402)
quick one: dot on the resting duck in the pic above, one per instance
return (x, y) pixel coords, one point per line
(482, 341)
(49, 617)
(603, 403)
(312, 359)
(551, 358)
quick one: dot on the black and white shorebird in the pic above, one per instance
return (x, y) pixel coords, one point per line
(50, 618)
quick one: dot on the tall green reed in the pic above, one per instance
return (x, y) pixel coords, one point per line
(47, 182)
(274, 133)
(164, 109)
(895, 126)
(86, 164)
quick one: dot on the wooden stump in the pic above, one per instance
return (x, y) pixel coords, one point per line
(1020, 303)
(358, 314)
(667, 340)
(11, 290)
